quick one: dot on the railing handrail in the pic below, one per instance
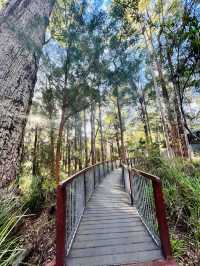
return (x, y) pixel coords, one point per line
(160, 209)
(72, 177)
(154, 178)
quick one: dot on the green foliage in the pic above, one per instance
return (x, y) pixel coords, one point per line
(10, 216)
(182, 192)
(179, 246)
(34, 197)
(36, 190)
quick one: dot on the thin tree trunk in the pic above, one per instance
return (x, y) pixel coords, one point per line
(123, 155)
(35, 159)
(93, 137)
(22, 35)
(76, 145)
(147, 120)
(52, 153)
(118, 146)
(80, 143)
(101, 134)
(59, 145)
(143, 117)
(85, 139)
(68, 152)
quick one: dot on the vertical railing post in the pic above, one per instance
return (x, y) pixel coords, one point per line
(162, 220)
(61, 232)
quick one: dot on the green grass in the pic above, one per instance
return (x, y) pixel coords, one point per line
(10, 216)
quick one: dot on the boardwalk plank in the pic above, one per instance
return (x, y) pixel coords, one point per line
(111, 231)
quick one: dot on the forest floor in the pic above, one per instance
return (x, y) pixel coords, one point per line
(39, 237)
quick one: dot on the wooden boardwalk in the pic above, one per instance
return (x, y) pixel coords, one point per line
(111, 232)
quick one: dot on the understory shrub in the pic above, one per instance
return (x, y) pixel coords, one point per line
(10, 216)
(33, 197)
(181, 181)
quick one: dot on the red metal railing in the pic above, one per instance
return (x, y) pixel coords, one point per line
(72, 197)
(146, 195)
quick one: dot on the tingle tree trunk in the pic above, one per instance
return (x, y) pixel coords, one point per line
(22, 35)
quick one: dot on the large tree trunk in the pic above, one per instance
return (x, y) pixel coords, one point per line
(22, 35)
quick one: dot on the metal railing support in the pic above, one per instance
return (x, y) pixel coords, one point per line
(162, 220)
(61, 233)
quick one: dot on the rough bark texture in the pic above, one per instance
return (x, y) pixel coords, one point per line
(22, 31)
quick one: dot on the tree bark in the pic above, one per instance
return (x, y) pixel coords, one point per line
(123, 154)
(85, 138)
(143, 117)
(35, 165)
(101, 134)
(52, 153)
(68, 151)
(22, 35)
(59, 145)
(93, 137)
(184, 145)
(80, 143)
